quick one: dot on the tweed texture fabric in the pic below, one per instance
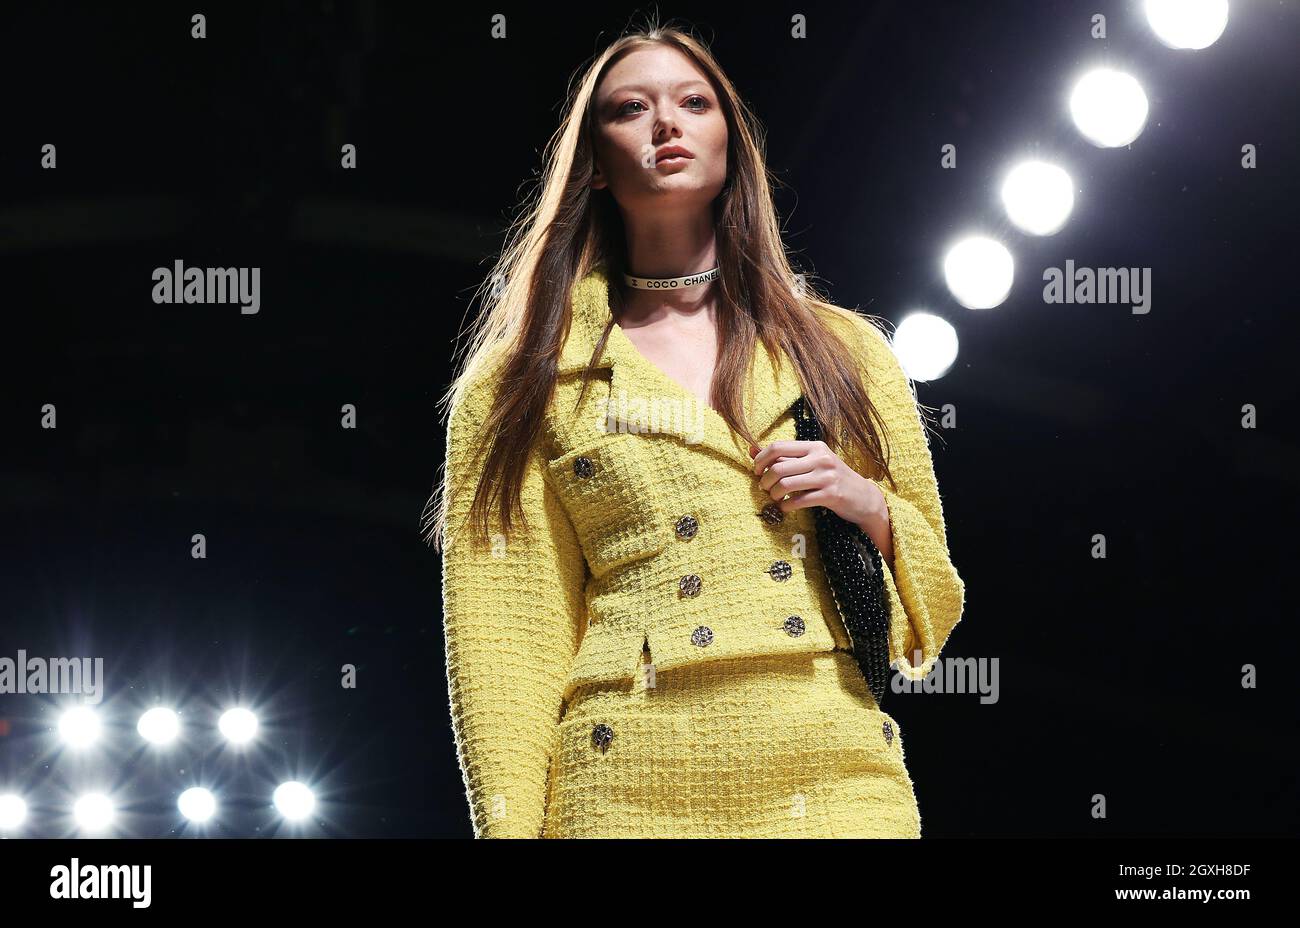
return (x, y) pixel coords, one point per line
(647, 531)
(774, 746)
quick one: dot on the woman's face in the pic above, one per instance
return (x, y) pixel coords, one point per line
(652, 100)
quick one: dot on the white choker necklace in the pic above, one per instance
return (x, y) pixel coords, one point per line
(670, 283)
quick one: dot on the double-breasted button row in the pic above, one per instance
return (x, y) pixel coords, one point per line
(772, 514)
(691, 584)
(780, 571)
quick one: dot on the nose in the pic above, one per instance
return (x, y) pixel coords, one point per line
(666, 128)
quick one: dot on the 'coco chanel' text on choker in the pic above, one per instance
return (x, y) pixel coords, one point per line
(670, 283)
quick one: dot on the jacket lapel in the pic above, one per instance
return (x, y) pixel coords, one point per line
(643, 399)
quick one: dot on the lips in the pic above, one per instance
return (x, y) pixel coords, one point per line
(673, 151)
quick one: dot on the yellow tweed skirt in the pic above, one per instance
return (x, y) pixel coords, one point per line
(777, 746)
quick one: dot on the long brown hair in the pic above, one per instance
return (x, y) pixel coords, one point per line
(568, 229)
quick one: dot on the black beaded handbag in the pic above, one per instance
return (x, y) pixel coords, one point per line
(856, 573)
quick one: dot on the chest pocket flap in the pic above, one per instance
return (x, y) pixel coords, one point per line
(610, 498)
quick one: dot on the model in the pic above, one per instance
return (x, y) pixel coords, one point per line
(640, 637)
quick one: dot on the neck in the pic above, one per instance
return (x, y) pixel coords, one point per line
(670, 245)
(645, 306)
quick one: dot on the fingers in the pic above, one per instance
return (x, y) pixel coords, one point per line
(776, 450)
(793, 482)
(804, 500)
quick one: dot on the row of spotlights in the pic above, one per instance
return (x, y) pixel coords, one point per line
(80, 727)
(1110, 109)
(94, 812)
(1187, 23)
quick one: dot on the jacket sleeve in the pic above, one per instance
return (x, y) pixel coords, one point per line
(926, 595)
(513, 611)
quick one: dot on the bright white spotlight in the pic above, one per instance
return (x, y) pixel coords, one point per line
(159, 726)
(238, 725)
(197, 804)
(1187, 23)
(79, 727)
(1109, 107)
(294, 800)
(13, 812)
(979, 272)
(1038, 197)
(925, 345)
(93, 812)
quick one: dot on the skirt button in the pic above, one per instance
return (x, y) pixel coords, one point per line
(794, 626)
(702, 636)
(687, 526)
(601, 736)
(690, 585)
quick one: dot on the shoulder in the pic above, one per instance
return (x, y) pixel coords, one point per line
(477, 385)
(471, 405)
(869, 337)
(893, 393)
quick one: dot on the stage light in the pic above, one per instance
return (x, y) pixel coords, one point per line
(79, 727)
(1187, 23)
(197, 804)
(1109, 107)
(925, 345)
(93, 812)
(159, 726)
(1038, 197)
(294, 800)
(13, 812)
(979, 272)
(238, 725)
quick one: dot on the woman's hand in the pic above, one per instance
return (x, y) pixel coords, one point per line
(811, 474)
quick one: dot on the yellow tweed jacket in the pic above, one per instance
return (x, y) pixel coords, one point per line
(603, 571)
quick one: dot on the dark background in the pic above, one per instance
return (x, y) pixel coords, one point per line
(1118, 676)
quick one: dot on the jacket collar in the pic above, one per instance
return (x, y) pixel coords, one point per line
(644, 398)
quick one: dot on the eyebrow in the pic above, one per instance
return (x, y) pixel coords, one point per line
(678, 86)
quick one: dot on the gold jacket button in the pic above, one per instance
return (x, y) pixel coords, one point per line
(583, 467)
(772, 514)
(780, 570)
(702, 636)
(601, 736)
(687, 526)
(794, 626)
(690, 585)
